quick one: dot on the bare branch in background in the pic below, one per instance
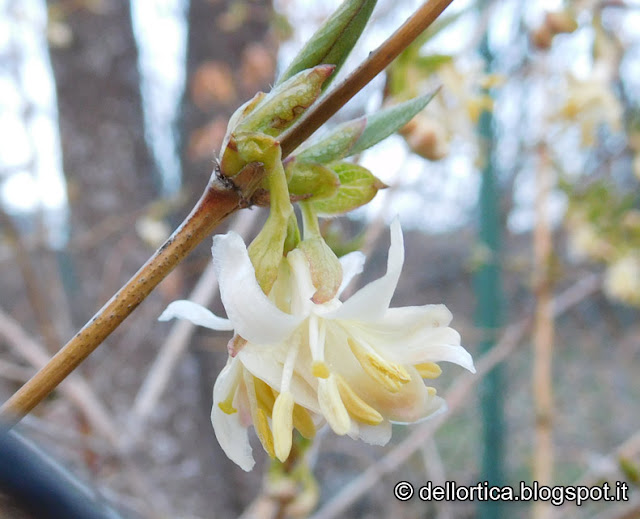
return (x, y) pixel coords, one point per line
(542, 379)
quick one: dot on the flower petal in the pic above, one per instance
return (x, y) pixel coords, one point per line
(375, 434)
(352, 265)
(254, 317)
(195, 313)
(372, 301)
(231, 434)
(429, 345)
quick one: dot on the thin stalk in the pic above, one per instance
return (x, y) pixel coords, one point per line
(217, 202)
(543, 338)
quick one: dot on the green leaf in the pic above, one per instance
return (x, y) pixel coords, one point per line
(333, 41)
(429, 64)
(388, 121)
(335, 145)
(312, 179)
(357, 135)
(357, 187)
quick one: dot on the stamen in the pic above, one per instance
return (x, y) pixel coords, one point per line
(391, 375)
(357, 407)
(429, 370)
(332, 406)
(264, 395)
(261, 424)
(319, 369)
(303, 422)
(227, 405)
(282, 422)
(432, 391)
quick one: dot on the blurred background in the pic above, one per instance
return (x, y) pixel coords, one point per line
(517, 187)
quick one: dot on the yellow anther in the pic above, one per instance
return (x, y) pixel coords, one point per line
(429, 370)
(264, 395)
(227, 406)
(264, 433)
(303, 422)
(319, 369)
(332, 407)
(282, 422)
(431, 390)
(357, 407)
(391, 375)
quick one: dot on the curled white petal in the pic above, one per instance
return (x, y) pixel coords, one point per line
(372, 301)
(195, 313)
(352, 265)
(375, 434)
(231, 434)
(254, 316)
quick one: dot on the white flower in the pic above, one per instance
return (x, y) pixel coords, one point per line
(359, 364)
(622, 280)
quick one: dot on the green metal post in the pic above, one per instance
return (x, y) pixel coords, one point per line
(488, 289)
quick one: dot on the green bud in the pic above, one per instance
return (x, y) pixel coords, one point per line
(240, 114)
(326, 270)
(333, 41)
(287, 102)
(357, 187)
(314, 180)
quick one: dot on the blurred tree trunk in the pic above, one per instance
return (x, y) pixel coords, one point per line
(230, 56)
(106, 161)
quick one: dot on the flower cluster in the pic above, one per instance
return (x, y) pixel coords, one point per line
(297, 361)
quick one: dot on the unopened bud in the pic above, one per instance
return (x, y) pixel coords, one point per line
(542, 38)
(312, 181)
(324, 266)
(428, 139)
(560, 22)
(357, 187)
(287, 102)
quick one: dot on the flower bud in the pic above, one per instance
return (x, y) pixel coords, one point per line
(542, 38)
(560, 22)
(357, 187)
(325, 268)
(313, 181)
(427, 138)
(287, 102)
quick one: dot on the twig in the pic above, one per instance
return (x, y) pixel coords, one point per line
(436, 473)
(14, 372)
(31, 283)
(217, 202)
(542, 378)
(360, 77)
(456, 397)
(176, 343)
(77, 390)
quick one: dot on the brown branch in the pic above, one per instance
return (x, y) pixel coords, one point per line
(217, 202)
(456, 397)
(360, 77)
(76, 389)
(178, 338)
(542, 378)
